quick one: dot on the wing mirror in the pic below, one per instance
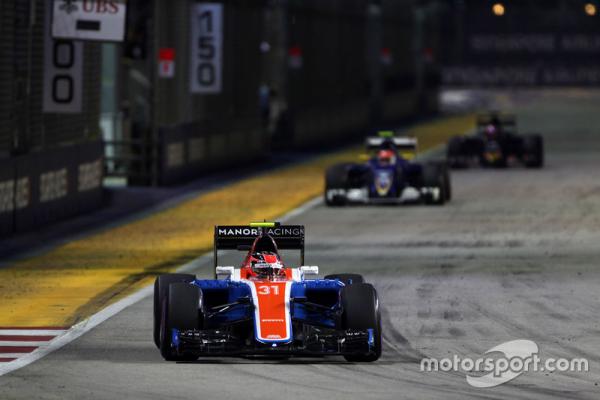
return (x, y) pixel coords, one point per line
(309, 270)
(225, 271)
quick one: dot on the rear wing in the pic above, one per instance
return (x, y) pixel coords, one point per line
(402, 143)
(503, 119)
(241, 237)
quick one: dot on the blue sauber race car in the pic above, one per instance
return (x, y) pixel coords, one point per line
(264, 306)
(388, 176)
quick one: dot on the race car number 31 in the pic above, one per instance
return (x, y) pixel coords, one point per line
(268, 289)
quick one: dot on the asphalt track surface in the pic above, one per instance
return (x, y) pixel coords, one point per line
(514, 256)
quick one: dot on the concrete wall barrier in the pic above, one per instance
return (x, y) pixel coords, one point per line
(43, 187)
(189, 150)
(7, 196)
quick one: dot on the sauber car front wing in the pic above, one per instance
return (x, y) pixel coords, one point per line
(361, 195)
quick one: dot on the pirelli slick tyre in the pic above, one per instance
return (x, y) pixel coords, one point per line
(448, 183)
(347, 279)
(161, 284)
(361, 311)
(336, 177)
(435, 179)
(179, 311)
(533, 151)
(455, 153)
(444, 170)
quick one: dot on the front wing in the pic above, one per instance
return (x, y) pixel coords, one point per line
(361, 196)
(314, 341)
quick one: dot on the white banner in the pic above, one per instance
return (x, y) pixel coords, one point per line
(206, 51)
(89, 19)
(63, 74)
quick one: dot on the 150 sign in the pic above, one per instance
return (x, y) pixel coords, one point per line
(206, 51)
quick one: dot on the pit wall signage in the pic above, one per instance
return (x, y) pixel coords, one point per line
(527, 59)
(63, 75)
(101, 20)
(206, 48)
(577, 44)
(15, 194)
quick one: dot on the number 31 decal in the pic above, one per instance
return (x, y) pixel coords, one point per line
(267, 289)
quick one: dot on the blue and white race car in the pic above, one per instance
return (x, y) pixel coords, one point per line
(264, 306)
(388, 176)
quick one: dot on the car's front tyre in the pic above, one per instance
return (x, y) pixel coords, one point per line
(361, 311)
(533, 151)
(435, 181)
(180, 310)
(161, 285)
(336, 178)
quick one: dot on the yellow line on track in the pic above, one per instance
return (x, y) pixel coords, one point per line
(77, 279)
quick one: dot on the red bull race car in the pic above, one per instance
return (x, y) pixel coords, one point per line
(496, 144)
(389, 176)
(265, 306)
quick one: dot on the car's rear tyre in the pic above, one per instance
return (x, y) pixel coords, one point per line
(444, 170)
(179, 311)
(455, 154)
(161, 284)
(533, 151)
(434, 177)
(361, 311)
(447, 183)
(336, 177)
(347, 279)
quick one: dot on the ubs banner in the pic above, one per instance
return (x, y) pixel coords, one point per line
(528, 59)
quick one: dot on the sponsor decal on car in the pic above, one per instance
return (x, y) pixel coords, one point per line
(383, 182)
(272, 310)
(247, 231)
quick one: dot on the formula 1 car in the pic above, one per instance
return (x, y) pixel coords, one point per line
(265, 307)
(496, 144)
(388, 176)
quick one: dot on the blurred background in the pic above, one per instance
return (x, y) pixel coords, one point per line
(191, 87)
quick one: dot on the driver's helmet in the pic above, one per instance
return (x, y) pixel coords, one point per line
(386, 157)
(491, 129)
(266, 265)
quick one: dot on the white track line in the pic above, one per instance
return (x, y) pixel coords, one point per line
(84, 326)
(301, 209)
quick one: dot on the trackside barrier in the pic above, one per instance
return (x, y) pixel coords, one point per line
(189, 150)
(39, 188)
(7, 193)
